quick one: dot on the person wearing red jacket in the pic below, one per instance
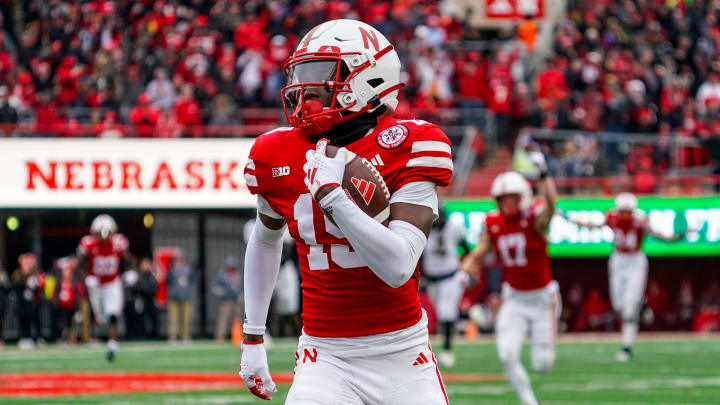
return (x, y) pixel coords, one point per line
(144, 117)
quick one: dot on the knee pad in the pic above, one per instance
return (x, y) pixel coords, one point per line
(508, 356)
(113, 320)
(630, 314)
(544, 362)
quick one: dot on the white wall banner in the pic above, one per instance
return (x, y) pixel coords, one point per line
(124, 173)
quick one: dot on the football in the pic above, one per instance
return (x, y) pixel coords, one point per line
(365, 186)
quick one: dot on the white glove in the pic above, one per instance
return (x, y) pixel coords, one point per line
(538, 159)
(463, 278)
(322, 171)
(91, 282)
(254, 370)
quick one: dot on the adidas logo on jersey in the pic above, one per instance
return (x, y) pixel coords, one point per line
(366, 188)
(421, 359)
(377, 161)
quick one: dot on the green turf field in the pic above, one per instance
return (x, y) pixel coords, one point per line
(673, 370)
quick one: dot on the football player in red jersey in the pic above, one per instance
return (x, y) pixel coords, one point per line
(365, 336)
(102, 254)
(628, 265)
(530, 297)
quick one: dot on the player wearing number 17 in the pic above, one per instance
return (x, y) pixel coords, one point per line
(530, 297)
(365, 337)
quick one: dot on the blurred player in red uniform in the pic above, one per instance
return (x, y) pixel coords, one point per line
(530, 297)
(628, 265)
(365, 336)
(102, 254)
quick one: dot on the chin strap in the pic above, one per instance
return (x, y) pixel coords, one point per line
(347, 132)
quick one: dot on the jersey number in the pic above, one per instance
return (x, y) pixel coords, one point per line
(318, 258)
(512, 249)
(105, 265)
(626, 240)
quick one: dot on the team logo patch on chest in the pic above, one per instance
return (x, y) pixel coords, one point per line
(391, 138)
(366, 188)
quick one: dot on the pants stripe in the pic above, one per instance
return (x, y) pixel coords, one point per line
(437, 371)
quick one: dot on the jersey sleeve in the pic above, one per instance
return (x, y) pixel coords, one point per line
(429, 158)
(257, 164)
(258, 173)
(84, 246)
(609, 218)
(120, 243)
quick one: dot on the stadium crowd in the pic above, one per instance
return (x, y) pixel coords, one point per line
(196, 62)
(161, 69)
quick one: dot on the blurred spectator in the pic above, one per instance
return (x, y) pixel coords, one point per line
(595, 312)
(161, 91)
(67, 297)
(527, 31)
(133, 86)
(223, 112)
(572, 305)
(109, 127)
(8, 113)
(685, 306)
(708, 93)
(47, 120)
(228, 288)
(656, 297)
(181, 288)
(4, 288)
(28, 281)
(707, 318)
(142, 299)
(145, 117)
(187, 112)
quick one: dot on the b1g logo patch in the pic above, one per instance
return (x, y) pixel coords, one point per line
(392, 137)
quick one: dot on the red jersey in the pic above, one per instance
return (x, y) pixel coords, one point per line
(341, 296)
(521, 248)
(104, 257)
(66, 295)
(629, 232)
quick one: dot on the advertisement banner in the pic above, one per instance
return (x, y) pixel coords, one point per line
(124, 173)
(700, 216)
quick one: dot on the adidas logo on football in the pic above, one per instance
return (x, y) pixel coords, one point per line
(366, 188)
(421, 359)
(377, 161)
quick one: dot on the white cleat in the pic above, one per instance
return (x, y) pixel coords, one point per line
(622, 356)
(446, 359)
(26, 344)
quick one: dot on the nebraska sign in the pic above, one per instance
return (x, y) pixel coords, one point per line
(121, 173)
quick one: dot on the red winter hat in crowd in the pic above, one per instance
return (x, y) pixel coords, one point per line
(25, 78)
(201, 20)
(144, 99)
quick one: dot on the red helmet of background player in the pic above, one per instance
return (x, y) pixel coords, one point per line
(340, 70)
(512, 193)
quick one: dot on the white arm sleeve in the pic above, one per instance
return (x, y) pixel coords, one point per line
(262, 263)
(391, 253)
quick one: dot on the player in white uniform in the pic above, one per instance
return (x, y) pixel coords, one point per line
(628, 265)
(440, 264)
(517, 231)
